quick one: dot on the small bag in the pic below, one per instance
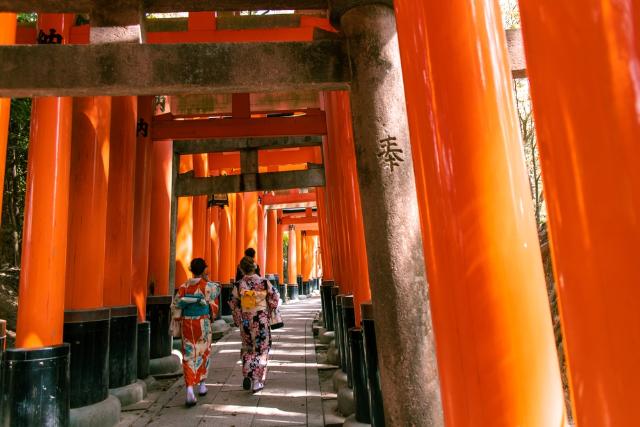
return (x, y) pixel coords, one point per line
(276, 318)
(176, 327)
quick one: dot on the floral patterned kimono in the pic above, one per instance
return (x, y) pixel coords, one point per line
(196, 298)
(253, 298)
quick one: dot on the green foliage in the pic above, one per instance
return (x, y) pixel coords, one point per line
(15, 181)
(27, 18)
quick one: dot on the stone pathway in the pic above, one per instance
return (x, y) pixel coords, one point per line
(291, 396)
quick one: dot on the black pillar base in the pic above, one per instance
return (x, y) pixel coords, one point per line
(360, 384)
(123, 355)
(306, 287)
(87, 332)
(293, 292)
(339, 332)
(348, 322)
(144, 342)
(327, 306)
(35, 387)
(159, 315)
(300, 285)
(225, 296)
(376, 406)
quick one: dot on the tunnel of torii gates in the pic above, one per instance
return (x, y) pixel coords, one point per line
(396, 120)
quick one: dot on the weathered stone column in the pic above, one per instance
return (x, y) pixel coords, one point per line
(400, 293)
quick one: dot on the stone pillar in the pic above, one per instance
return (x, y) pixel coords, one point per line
(385, 171)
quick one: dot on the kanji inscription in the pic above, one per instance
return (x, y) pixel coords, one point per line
(390, 153)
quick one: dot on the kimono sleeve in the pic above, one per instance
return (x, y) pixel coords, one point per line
(236, 308)
(273, 297)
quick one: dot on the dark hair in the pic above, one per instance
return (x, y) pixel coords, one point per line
(250, 252)
(247, 266)
(197, 266)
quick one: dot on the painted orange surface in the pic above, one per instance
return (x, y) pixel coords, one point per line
(226, 237)
(184, 230)
(240, 127)
(201, 168)
(495, 344)
(240, 229)
(160, 219)
(199, 21)
(88, 202)
(341, 149)
(7, 36)
(292, 265)
(298, 251)
(234, 225)
(280, 199)
(44, 234)
(142, 211)
(586, 100)
(262, 231)
(202, 29)
(325, 246)
(214, 243)
(280, 249)
(308, 254)
(120, 201)
(251, 223)
(271, 266)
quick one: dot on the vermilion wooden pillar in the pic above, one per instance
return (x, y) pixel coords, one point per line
(7, 36)
(262, 246)
(325, 246)
(224, 271)
(88, 203)
(184, 230)
(292, 262)
(251, 223)
(495, 345)
(585, 86)
(271, 266)
(201, 168)
(340, 149)
(240, 228)
(160, 219)
(120, 202)
(233, 236)
(299, 251)
(280, 247)
(213, 242)
(142, 207)
(44, 234)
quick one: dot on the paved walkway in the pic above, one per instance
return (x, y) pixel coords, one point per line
(291, 396)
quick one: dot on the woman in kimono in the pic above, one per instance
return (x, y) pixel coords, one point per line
(253, 298)
(196, 299)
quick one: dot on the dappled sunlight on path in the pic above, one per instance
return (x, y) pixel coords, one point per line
(291, 396)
